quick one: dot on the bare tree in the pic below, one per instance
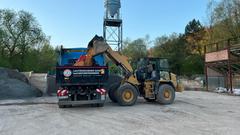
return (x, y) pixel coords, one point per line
(225, 19)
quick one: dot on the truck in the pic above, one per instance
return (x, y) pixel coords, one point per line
(82, 82)
(80, 85)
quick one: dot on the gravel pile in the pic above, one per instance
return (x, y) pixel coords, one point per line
(14, 85)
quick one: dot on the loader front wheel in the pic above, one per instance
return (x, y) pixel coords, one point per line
(112, 92)
(127, 95)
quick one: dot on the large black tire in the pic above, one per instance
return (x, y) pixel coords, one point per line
(127, 95)
(112, 92)
(112, 79)
(166, 94)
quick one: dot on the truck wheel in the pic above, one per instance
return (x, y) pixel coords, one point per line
(150, 100)
(166, 94)
(112, 92)
(127, 95)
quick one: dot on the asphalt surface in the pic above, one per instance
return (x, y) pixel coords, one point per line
(193, 113)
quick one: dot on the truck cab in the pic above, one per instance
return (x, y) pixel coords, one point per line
(80, 84)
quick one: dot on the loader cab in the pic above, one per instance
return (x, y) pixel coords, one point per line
(146, 67)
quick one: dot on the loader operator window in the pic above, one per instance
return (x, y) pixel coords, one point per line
(141, 72)
(164, 75)
(152, 70)
(164, 69)
(164, 64)
(154, 73)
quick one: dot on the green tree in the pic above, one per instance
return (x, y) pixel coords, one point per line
(135, 50)
(19, 33)
(193, 27)
(43, 58)
(196, 36)
(224, 18)
(175, 49)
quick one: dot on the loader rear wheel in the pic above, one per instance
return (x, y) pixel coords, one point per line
(113, 91)
(127, 95)
(166, 94)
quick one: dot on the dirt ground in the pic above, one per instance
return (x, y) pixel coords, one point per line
(193, 113)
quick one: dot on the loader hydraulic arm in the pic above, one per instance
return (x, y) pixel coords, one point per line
(99, 46)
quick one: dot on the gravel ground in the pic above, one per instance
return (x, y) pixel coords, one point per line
(193, 113)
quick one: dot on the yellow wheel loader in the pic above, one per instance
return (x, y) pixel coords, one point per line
(152, 79)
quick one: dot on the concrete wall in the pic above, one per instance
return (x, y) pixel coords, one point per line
(51, 85)
(214, 73)
(39, 80)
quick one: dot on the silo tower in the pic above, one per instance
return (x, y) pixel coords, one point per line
(112, 24)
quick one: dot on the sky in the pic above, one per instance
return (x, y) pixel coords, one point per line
(73, 23)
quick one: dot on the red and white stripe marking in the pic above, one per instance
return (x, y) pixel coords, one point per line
(62, 92)
(101, 91)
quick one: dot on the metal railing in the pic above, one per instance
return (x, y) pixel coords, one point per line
(232, 43)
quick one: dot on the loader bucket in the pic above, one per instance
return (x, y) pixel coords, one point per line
(95, 38)
(180, 87)
(97, 45)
